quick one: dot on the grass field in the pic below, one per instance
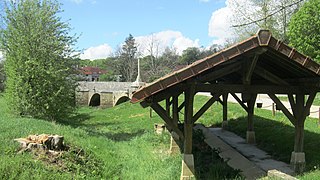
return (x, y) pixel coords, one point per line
(119, 143)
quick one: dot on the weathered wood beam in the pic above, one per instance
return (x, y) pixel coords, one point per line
(175, 110)
(269, 76)
(225, 107)
(221, 72)
(188, 115)
(250, 111)
(181, 106)
(250, 66)
(164, 116)
(205, 107)
(275, 99)
(292, 104)
(253, 89)
(168, 106)
(309, 102)
(240, 102)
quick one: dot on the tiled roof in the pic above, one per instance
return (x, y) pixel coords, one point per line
(275, 56)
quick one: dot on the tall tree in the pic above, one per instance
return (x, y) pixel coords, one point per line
(126, 62)
(38, 63)
(252, 15)
(304, 29)
(190, 55)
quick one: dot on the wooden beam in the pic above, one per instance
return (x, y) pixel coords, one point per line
(250, 111)
(220, 72)
(162, 113)
(309, 102)
(249, 69)
(181, 106)
(269, 76)
(168, 107)
(175, 111)
(205, 107)
(283, 108)
(253, 89)
(240, 102)
(188, 115)
(225, 107)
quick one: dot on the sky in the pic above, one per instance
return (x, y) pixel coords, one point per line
(103, 25)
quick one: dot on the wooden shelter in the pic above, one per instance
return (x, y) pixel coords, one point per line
(258, 65)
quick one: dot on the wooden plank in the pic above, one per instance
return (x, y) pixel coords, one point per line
(240, 102)
(269, 76)
(181, 106)
(275, 99)
(205, 107)
(162, 113)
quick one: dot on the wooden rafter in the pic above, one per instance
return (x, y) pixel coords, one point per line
(269, 76)
(249, 69)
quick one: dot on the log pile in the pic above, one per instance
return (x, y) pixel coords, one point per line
(42, 142)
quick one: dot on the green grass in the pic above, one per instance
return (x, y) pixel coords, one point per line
(119, 143)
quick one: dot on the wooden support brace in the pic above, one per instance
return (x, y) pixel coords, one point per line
(250, 68)
(163, 114)
(283, 108)
(269, 76)
(205, 107)
(240, 102)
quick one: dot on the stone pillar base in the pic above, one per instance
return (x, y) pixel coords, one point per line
(187, 171)
(251, 137)
(225, 125)
(298, 161)
(174, 148)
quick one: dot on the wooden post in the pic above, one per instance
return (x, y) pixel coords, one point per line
(225, 111)
(298, 157)
(188, 161)
(150, 113)
(319, 117)
(168, 106)
(174, 147)
(250, 129)
(273, 109)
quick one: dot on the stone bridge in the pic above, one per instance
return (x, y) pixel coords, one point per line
(104, 94)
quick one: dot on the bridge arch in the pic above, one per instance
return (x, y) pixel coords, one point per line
(95, 100)
(122, 99)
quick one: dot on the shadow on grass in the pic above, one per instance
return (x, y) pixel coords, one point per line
(97, 129)
(277, 138)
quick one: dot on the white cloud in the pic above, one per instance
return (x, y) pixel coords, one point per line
(220, 25)
(1, 56)
(159, 41)
(98, 52)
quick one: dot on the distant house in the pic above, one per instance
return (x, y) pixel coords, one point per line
(91, 73)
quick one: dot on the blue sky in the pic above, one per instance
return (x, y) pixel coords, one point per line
(104, 24)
